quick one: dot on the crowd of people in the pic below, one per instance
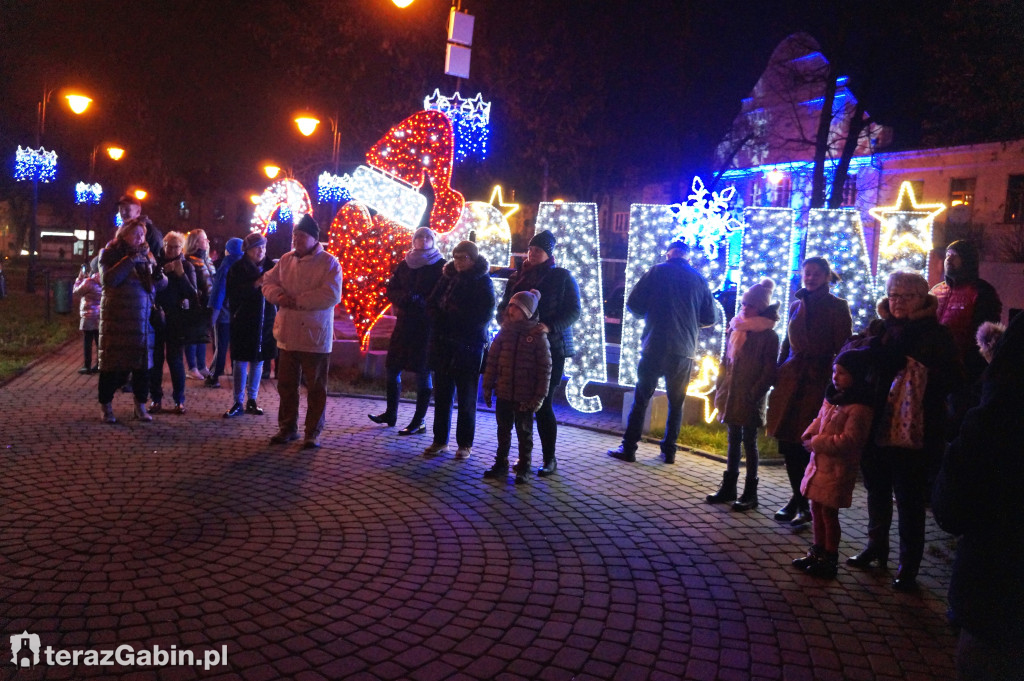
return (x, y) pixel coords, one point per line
(916, 403)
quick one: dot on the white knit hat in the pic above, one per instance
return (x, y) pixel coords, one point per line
(526, 301)
(760, 295)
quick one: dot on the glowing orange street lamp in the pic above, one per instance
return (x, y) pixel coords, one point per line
(78, 103)
(307, 124)
(140, 194)
(402, 4)
(255, 198)
(271, 170)
(115, 153)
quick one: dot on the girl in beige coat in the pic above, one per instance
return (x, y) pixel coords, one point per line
(835, 438)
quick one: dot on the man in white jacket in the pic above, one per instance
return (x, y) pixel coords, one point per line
(305, 285)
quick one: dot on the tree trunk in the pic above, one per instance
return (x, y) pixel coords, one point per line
(856, 127)
(821, 140)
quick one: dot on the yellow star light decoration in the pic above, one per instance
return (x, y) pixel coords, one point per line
(906, 234)
(498, 201)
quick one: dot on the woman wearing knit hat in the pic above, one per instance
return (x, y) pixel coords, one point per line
(559, 308)
(407, 291)
(460, 306)
(741, 394)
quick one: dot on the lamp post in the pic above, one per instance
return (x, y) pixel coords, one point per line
(78, 104)
(307, 126)
(116, 154)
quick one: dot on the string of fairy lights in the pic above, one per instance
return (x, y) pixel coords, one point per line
(838, 236)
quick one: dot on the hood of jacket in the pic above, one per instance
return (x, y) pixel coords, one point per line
(481, 268)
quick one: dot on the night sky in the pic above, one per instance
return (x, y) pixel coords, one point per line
(601, 90)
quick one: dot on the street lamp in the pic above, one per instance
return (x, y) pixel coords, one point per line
(307, 125)
(140, 194)
(116, 154)
(78, 104)
(271, 170)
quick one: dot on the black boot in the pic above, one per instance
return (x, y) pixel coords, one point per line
(499, 469)
(550, 466)
(872, 554)
(788, 512)
(727, 491)
(748, 499)
(814, 554)
(384, 417)
(826, 567)
(803, 514)
(417, 425)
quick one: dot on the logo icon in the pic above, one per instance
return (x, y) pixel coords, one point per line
(25, 649)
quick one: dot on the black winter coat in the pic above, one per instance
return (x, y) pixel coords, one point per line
(559, 306)
(407, 291)
(252, 315)
(675, 302)
(130, 283)
(169, 300)
(460, 307)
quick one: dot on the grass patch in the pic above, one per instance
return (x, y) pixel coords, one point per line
(714, 438)
(25, 335)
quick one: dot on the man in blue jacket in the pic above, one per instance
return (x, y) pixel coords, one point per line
(675, 302)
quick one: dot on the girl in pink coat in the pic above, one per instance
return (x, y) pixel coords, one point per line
(835, 439)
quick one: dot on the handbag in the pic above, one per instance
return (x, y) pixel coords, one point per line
(903, 418)
(194, 325)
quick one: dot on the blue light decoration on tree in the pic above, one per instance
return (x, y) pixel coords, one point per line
(88, 193)
(35, 165)
(470, 119)
(330, 188)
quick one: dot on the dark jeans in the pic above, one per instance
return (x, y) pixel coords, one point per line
(547, 425)
(901, 472)
(89, 339)
(111, 381)
(747, 436)
(166, 349)
(676, 371)
(223, 335)
(446, 386)
(796, 458)
(507, 417)
(195, 355)
(292, 368)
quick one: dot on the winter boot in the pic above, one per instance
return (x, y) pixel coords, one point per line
(417, 425)
(108, 413)
(499, 469)
(550, 466)
(727, 491)
(141, 413)
(826, 567)
(814, 554)
(748, 499)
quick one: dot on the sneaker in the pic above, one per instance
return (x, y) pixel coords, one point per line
(435, 449)
(237, 410)
(193, 374)
(463, 453)
(282, 437)
(179, 409)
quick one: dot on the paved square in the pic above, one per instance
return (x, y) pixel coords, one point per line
(363, 560)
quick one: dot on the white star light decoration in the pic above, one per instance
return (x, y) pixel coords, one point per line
(470, 122)
(578, 250)
(838, 236)
(906, 234)
(289, 195)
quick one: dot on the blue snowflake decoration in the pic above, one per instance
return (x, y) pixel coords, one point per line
(35, 164)
(470, 119)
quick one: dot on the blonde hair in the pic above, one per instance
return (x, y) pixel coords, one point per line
(910, 280)
(176, 237)
(130, 225)
(192, 241)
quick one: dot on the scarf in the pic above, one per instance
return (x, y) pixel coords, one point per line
(739, 327)
(421, 257)
(530, 276)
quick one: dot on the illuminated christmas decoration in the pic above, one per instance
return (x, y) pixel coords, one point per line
(392, 198)
(498, 201)
(906, 234)
(470, 120)
(838, 236)
(419, 149)
(484, 225)
(288, 195)
(369, 249)
(652, 228)
(88, 193)
(331, 188)
(35, 165)
(578, 250)
(768, 252)
(704, 221)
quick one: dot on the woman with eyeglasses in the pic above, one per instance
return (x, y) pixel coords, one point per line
(911, 332)
(819, 325)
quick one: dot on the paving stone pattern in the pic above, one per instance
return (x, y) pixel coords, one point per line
(364, 560)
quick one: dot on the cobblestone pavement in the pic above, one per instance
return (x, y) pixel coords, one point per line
(364, 560)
